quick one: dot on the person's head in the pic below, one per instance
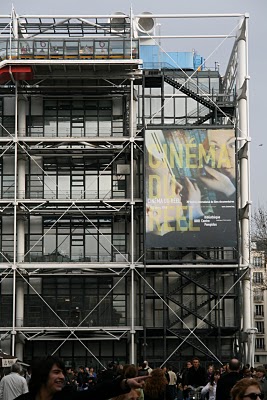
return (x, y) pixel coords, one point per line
(260, 372)
(145, 363)
(129, 371)
(16, 368)
(222, 144)
(188, 364)
(134, 394)
(234, 365)
(49, 374)
(215, 376)
(246, 372)
(196, 362)
(91, 370)
(156, 384)
(210, 369)
(247, 389)
(81, 368)
(111, 365)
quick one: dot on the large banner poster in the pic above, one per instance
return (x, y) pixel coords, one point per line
(190, 182)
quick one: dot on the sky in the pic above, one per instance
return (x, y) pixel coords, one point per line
(214, 51)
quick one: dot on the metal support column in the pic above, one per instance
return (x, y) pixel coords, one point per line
(21, 179)
(132, 332)
(242, 79)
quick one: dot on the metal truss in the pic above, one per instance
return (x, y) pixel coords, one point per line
(117, 77)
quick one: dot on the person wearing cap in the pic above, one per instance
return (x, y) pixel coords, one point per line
(260, 375)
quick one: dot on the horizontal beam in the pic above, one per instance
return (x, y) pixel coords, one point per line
(54, 329)
(94, 265)
(84, 139)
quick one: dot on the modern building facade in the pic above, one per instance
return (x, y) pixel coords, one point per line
(79, 96)
(258, 259)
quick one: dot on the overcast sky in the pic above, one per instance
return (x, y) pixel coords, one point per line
(257, 10)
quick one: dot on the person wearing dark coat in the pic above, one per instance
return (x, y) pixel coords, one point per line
(196, 375)
(48, 380)
(228, 380)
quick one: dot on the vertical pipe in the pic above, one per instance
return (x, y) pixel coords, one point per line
(131, 31)
(13, 337)
(20, 224)
(242, 76)
(132, 332)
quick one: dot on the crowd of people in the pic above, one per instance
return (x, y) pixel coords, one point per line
(48, 379)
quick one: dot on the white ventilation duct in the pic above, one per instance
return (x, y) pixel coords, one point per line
(145, 26)
(118, 24)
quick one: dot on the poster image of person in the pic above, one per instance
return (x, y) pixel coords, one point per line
(190, 182)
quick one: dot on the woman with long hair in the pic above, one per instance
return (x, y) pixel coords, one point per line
(211, 386)
(155, 386)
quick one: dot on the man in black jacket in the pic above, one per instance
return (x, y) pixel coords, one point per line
(196, 375)
(48, 380)
(228, 380)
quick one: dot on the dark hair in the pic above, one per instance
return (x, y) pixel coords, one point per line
(40, 372)
(241, 386)
(212, 380)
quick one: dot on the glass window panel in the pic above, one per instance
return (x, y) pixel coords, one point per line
(72, 48)
(179, 107)
(104, 186)
(101, 47)
(41, 48)
(156, 107)
(56, 48)
(63, 187)
(105, 245)
(214, 84)
(49, 242)
(169, 108)
(36, 283)
(147, 106)
(168, 89)
(116, 47)
(203, 85)
(64, 245)
(91, 246)
(50, 126)
(104, 128)
(50, 186)
(63, 126)
(91, 126)
(36, 127)
(191, 105)
(91, 186)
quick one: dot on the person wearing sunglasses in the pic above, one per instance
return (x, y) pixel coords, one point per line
(247, 389)
(260, 376)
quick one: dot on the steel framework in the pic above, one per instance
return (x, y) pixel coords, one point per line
(75, 272)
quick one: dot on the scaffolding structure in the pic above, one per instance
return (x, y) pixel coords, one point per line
(77, 278)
